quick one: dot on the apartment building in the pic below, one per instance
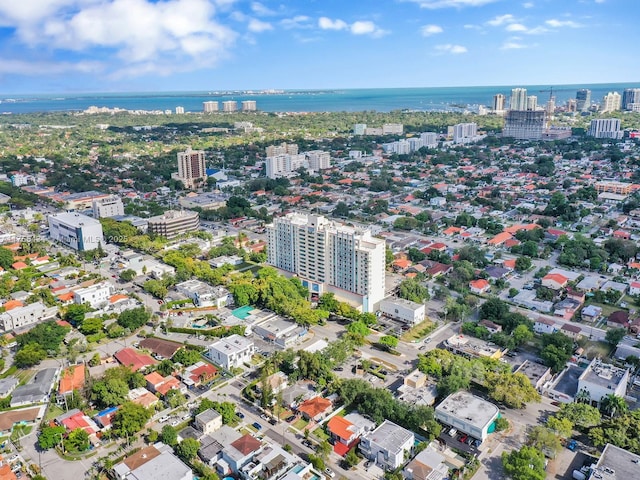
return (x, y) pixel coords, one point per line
(192, 170)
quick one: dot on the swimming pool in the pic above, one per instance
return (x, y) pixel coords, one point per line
(242, 312)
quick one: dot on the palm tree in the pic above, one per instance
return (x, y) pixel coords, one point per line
(583, 396)
(613, 405)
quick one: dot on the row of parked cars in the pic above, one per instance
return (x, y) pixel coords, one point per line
(464, 438)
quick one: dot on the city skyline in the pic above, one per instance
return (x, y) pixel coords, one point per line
(180, 45)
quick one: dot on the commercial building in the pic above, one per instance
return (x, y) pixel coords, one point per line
(110, 206)
(630, 98)
(611, 102)
(192, 170)
(403, 310)
(96, 295)
(173, 223)
(75, 230)
(26, 315)
(602, 379)
(524, 125)
(615, 463)
(232, 352)
(249, 106)
(229, 106)
(583, 100)
(329, 257)
(518, 99)
(472, 347)
(205, 201)
(468, 414)
(210, 106)
(605, 128)
(387, 445)
(152, 463)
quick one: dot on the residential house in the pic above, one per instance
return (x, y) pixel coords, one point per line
(634, 288)
(239, 452)
(566, 308)
(152, 463)
(554, 281)
(198, 373)
(36, 390)
(571, 331)
(619, 319)
(133, 359)
(491, 326)
(160, 348)
(231, 352)
(591, 313)
(479, 286)
(429, 464)
(208, 421)
(315, 408)
(544, 325)
(71, 379)
(346, 432)
(143, 397)
(156, 383)
(387, 445)
(270, 463)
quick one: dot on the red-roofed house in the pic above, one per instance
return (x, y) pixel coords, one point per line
(512, 242)
(510, 264)
(159, 384)
(131, 358)
(622, 234)
(117, 297)
(5, 471)
(499, 239)
(401, 264)
(619, 319)
(79, 420)
(66, 298)
(315, 409)
(19, 266)
(438, 247)
(479, 286)
(11, 304)
(634, 288)
(554, 281)
(345, 434)
(452, 231)
(198, 373)
(71, 379)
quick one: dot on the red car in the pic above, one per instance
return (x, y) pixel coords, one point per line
(463, 438)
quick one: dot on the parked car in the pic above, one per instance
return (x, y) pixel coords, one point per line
(572, 445)
(264, 416)
(330, 473)
(175, 423)
(240, 415)
(307, 443)
(163, 419)
(463, 438)
(368, 463)
(290, 418)
(257, 426)
(273, 421)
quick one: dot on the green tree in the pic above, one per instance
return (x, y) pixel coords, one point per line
(524, 464)
(389, 342)
(512, 389)
(562, 427)
(186, 357)
(523, 264)
(411, 289)
(50, 436)
(581, 415)
(351, 459)
(169, 435)
(77, 441)
(6, 258)
(521, 334)
(358, 328)
(29, 355)
(128, 275)
(545, 440)
(91, 326)
(75, 313)
(613, 405)
(175, 398)
(130, 419)
(324, 449)
(134, 318)
(494, 309)
(187, 449)
(109, 393)
(615, 335)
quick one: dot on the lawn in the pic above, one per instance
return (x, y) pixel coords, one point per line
(53, 412)
(320, 434)
(606, 309)
(418, 332)
(20, 431)
(595, 349)
(300, 424)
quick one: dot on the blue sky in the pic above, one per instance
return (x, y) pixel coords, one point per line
(172, 45)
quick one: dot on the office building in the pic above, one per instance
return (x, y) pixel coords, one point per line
(173, 223)
(282, 149)
(532, 102)
(229, 106)
(403, 310)
(388, 445)
(615, 463)
(179, 110)
(572, 105)
(318, 160)
(329, 257)
(249, 106)
(499, 102)
(191, 168)
(583, 100)
(630, 97)
(285, 165)
(611, 102)
(465, 132)
(524, 125)
(605, 128)
(75, 230)
(467, 414)
(359, 128)
(392, 129)
(210, 106)
(518, 99)
(601, 379)
(232, 352)
(110, 206)
(550, 107)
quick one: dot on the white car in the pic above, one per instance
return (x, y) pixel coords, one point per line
(13, 458)
(163, 419)
(175, 423)
(330, 473)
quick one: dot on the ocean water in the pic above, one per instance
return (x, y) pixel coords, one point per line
(335, 100)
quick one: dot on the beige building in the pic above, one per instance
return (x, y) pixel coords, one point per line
(173, 223)
(208, 421)
(191, 168)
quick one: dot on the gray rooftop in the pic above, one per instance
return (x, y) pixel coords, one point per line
(39, 386)
(617, 464)
(469, 408)
(390, 436)
(166, 465)
(567, 381)
(533, 371)
(208, 416)
(603, 374)
(7, 385)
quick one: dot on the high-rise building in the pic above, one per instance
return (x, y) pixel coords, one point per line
(210, 106)
(550, 107)
(524, 125)
(318, 160)
(583, 100)
(229, 106)
(249, 106)
(572, 105)
(282, 149)
(392, 129)
(532, 102)
(630, 97)
(285, 165)
(173, 223)
(464, 132)
(359, 128)
(498, 102)
(329, 257)
(110, 206)
(179, 110)
(611, 102)
(605, 128)
(191, 168)
(518, 99)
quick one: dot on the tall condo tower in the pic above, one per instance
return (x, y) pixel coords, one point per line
(583, 100)
(518, 99)
(191, 168)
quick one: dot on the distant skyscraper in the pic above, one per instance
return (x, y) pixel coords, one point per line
(191, 168)
(630, 96)
(229, 106)
(249, 106)
(518, 99)
(611, 102)
(532, 102)
(583, 100)
(498, 102)
(572, 105)
(179, 110)
(524, 125)
(210, 106)
(550, 108)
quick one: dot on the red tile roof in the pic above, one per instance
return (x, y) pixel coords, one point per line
(72, 379)
(246, 444)
(130, 358)
(315, 406)
(341, 427)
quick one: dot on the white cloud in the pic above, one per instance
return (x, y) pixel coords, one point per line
(435, 4)
(428, 30)
(260, 9)
(326, 23)
(555, 23)
(516, 27)
(501, 20)
(258, 26)
(22, 67)
(360, 27)
(512, 45)
(528, 5)
(449, 48)
(299, 21)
